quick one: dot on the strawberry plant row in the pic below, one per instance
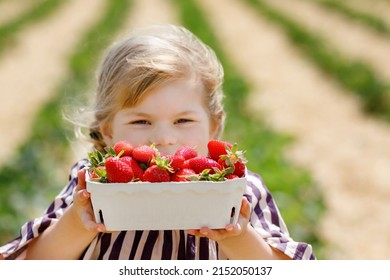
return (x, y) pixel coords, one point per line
(37, 12)
(364, 18)
(355, 76)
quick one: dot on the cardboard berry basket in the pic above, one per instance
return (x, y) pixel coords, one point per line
(165, 206)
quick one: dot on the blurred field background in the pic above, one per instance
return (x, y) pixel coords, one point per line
(307, 96)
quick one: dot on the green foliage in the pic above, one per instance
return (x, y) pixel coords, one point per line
(298, 198)
(41, 166)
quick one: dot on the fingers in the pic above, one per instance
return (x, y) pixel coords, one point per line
(89, 223)
(214, 234)
(205, 232)
(81, 195)
(243, 219)
(245, 210)
(230, 230)
(81, 179)
(82, 202)
(87, 217)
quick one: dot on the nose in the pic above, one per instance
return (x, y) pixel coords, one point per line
(163, 136)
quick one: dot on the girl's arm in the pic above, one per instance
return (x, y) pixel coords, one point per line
(68, 237)
(250, 246)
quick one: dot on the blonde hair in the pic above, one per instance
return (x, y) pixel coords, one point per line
(146, 60)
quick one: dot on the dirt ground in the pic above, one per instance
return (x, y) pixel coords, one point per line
(346, 151)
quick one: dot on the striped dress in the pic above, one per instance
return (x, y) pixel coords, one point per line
(164, 244)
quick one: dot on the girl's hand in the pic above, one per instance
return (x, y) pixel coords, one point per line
(83, 206)
(230, 230)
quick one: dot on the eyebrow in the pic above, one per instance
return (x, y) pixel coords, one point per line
(136, 114)
(142, 114)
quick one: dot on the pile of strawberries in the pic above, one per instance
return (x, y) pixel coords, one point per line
(124, 163)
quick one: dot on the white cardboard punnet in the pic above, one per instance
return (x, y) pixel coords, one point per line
(166, 206)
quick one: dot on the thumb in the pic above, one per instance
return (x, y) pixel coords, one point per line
(81, 179)
(245, 210)
(81, 195)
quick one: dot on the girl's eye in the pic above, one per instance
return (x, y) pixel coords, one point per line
(180, 121)
(140, 122)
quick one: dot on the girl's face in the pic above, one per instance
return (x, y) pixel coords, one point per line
(171, 116)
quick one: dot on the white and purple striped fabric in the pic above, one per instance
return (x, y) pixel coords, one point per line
(164, 244)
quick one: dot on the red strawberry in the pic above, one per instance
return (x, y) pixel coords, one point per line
(118, 171)
(239, 166)
(137, 170)
(239, 169)
(98, 172)
(234, 160)
(144, 153)
(187, 152)
(198, 164)
(182, 174)
(175, 161)
(124, 146)
(186, 164)
(155, 174)
(231, 176)
(217, 148)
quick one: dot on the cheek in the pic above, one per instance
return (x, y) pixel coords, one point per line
(125, 135)
(134, 137)
(199, 139)
(117, 133)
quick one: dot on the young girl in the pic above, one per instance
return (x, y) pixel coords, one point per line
(163, 86)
